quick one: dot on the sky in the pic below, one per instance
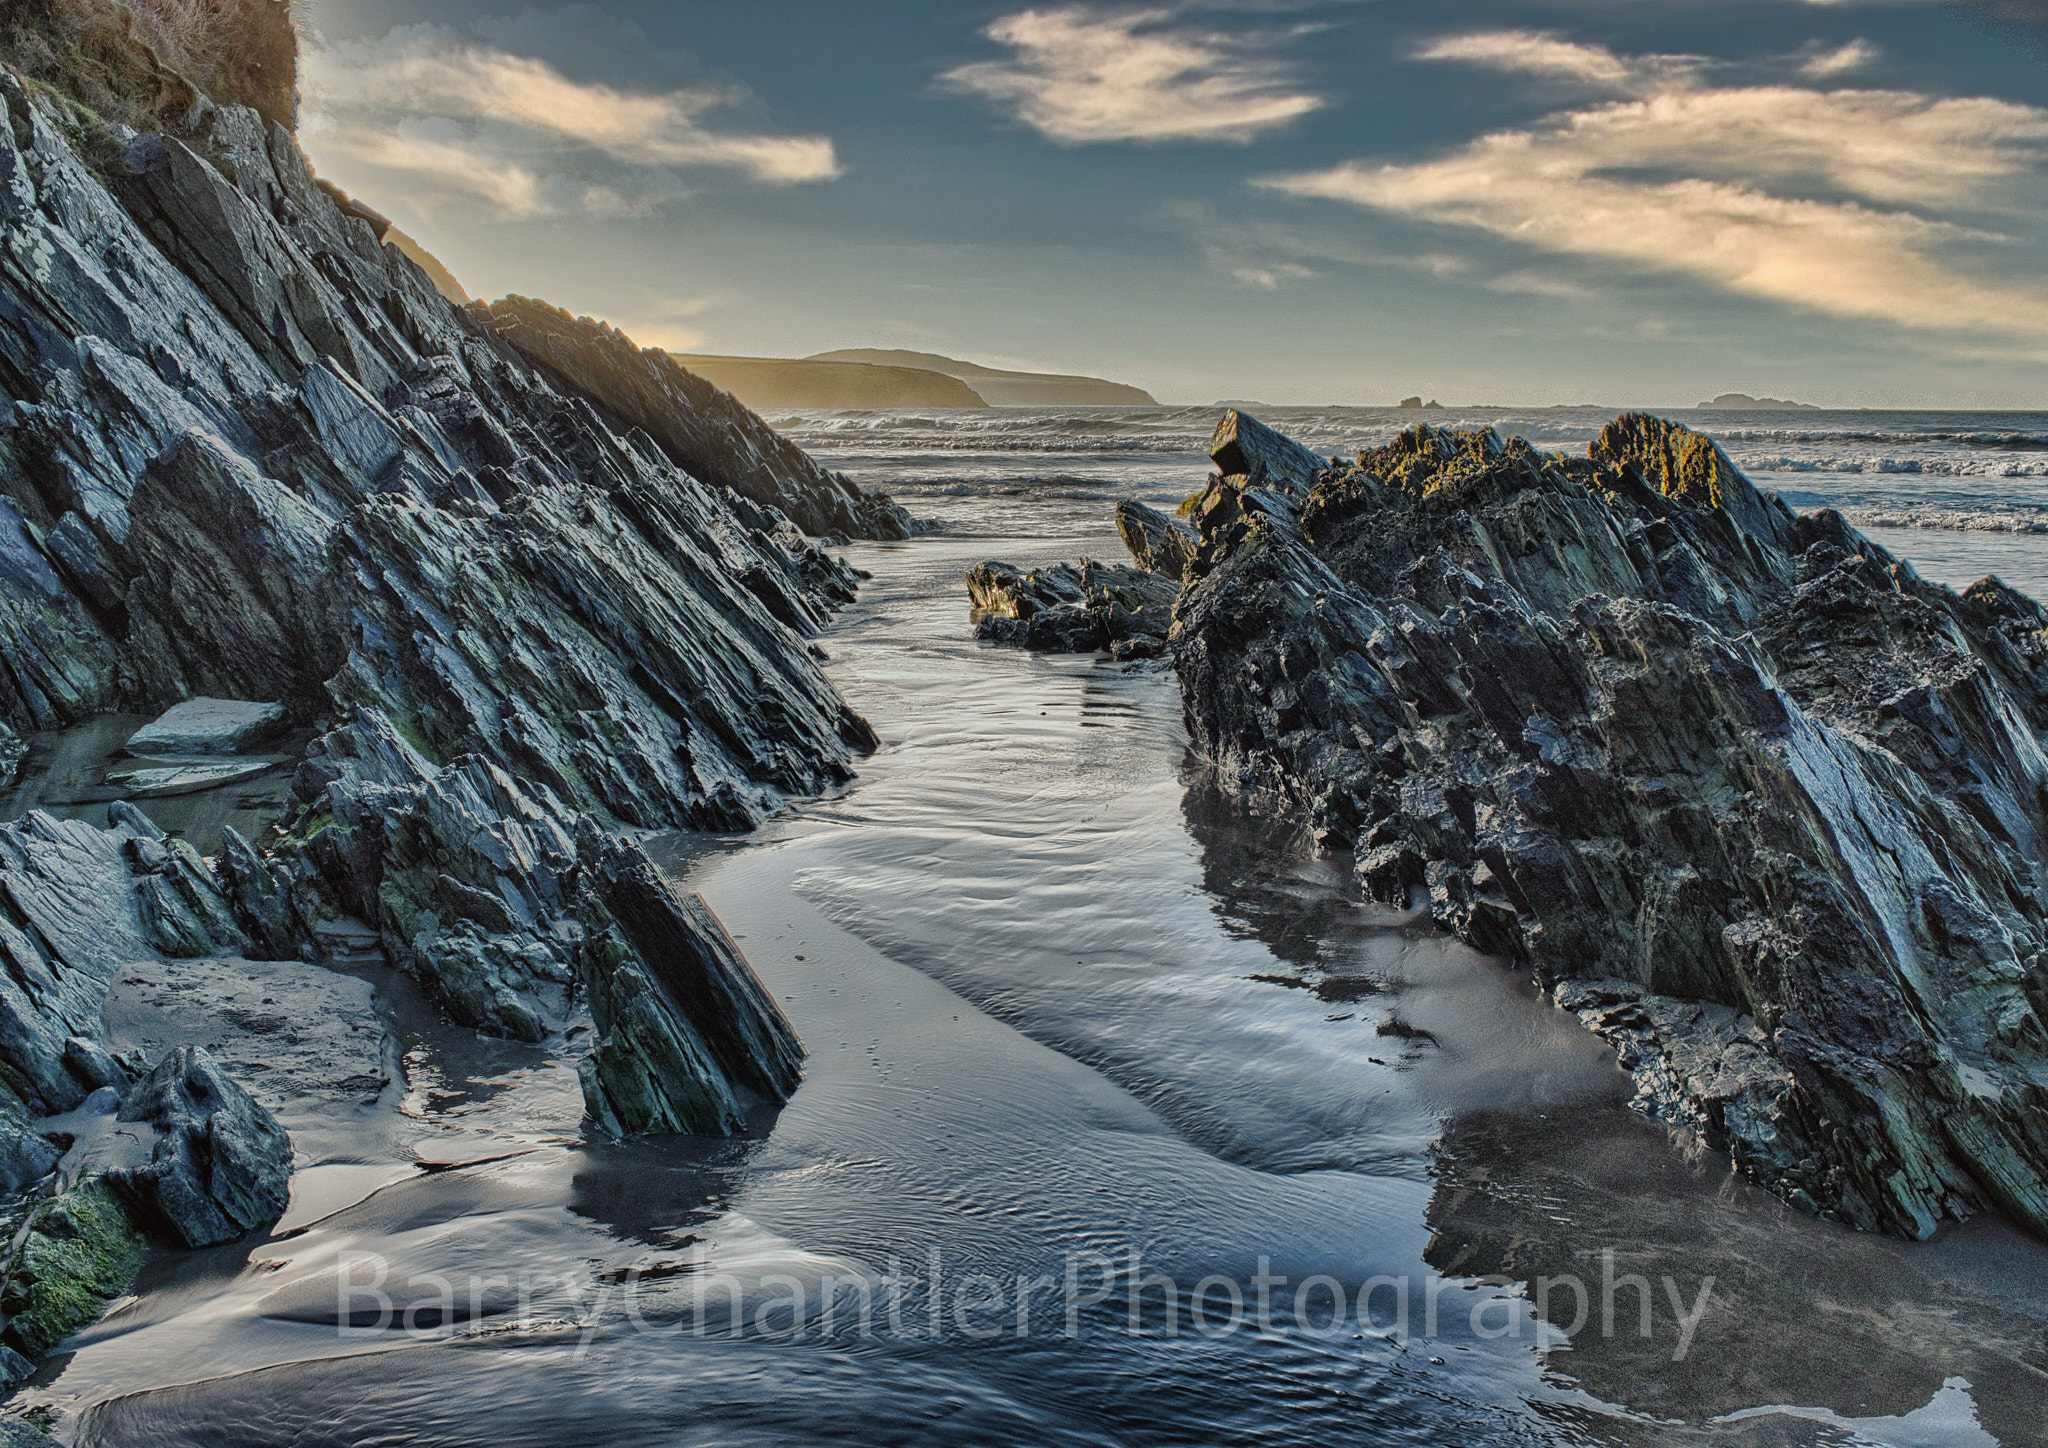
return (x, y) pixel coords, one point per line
(1625, 202)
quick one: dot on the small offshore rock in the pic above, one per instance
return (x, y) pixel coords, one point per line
(1070, 607)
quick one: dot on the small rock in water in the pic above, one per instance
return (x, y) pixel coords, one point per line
(1074, 608)
(208, 726)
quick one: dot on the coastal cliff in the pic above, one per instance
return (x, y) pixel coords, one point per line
(528, 583)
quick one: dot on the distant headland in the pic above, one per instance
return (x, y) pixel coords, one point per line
(873, 377)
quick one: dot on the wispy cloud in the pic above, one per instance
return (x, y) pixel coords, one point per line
(1844, 201)
(514, 131)
(1081, 76)
(1532, 53)
(1841, 59)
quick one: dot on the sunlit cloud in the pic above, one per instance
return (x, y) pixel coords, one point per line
(1532, 53)
(514, 131)
(1081, 76)
(1829, 200)
(1844, 58)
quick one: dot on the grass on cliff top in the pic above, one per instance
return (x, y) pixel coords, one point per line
(146, 63)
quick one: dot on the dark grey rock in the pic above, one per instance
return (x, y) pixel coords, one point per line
(1255, 456)
(1071, 607)
(279, 465)
(702, 429)
(507, 902)
(1629, 720)
(208, 726)
(689, 1035)
(220, 1165)
(1157, 541)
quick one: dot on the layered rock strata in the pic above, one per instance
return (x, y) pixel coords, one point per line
(1765, 806)
(702, 429)
(553, 585)
(513, 908)
(1073, 607)
(252, 453)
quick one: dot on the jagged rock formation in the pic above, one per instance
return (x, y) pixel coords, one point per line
(219, 1165)
(253, 453)
(77, 906)
(1073, 607)
(700, 428)
(508, 903)
(1157, 542)
(1765, 806)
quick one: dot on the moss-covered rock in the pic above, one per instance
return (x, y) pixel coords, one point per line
(80, 1252)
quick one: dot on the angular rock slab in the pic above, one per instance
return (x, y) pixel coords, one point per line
(208, 726)
(160, 779)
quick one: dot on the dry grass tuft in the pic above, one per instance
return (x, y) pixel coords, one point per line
(145, 63)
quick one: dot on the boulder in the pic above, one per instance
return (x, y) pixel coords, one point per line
(1762, 805)
(1072, 607)
(219, 1165)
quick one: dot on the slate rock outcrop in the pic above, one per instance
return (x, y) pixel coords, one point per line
(511, 906)
(252, 453)
(702, 429)
(1763, 805)
(1073, 607)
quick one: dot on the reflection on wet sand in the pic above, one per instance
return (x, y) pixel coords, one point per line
(1836, 1326)
(1802, 1312)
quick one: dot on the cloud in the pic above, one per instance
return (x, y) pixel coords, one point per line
(1829, 200)
(1082, 76)
(1854, 56)
(1533, 54)
(516, 132)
